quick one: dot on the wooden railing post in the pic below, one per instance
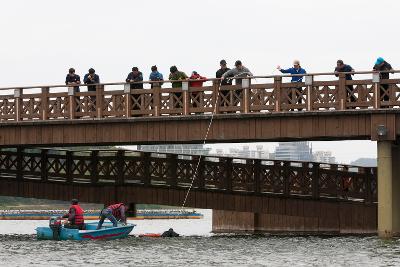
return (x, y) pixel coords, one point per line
(45, 103)
(43, 164)
(278, 93)
(286, 182)
(20, 156)
(315, 181)
(69, 160)
(172, 166)
(128, 100)
(120, 158)
(185, 98)
(376, 79)
(309, 80)
(342, 92)
(257, 175)
(246, 95)
(228, 175)
(72, 102)
(216, 98)
(99, 100)
(18, 103)
(146, 168)
(157, 99)
(94, 160)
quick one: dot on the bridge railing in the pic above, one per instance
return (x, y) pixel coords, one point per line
(230, 175)
(260, 94)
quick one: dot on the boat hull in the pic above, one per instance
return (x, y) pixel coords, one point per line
(107, 232)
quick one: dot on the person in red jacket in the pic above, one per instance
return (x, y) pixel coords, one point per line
(75, 216)
(198, 83)
(115, 213)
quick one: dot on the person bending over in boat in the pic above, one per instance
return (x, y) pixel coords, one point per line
(75, 216)
(114, 213)
(170, 233)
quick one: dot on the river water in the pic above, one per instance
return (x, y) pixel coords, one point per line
(197, 247)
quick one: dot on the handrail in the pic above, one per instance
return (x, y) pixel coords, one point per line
(203, 80)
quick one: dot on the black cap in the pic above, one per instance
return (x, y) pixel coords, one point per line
(173, 69)
(340, 61)
(238, 63)
(74, 201)
(91, 71)
(222, 62)
(71, 70)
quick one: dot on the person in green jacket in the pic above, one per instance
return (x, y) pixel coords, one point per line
(177, 75)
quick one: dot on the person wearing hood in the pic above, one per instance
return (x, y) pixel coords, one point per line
(155, 76)
(382, 65)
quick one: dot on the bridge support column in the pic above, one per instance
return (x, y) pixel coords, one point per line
(388, 189)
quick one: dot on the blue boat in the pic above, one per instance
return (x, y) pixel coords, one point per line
(56, 231)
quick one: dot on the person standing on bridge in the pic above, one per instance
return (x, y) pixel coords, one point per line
(75, 216)
(382, 65)
(91, 78)
(134, 78)
(341, 67)
(156, 76)
(239, 71)
(176, 75)
(224, 100)
(114, 213)
(297, 92)
(73, 79)
(197, 83)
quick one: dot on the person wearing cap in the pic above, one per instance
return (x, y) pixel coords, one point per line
(239, 71)
(73, 79)
(382, 65)
(296, 92)
(176, 75)
(74, 216)
(134, 77)
(155, 75)
(221, 71)
(91, 78)
(341, 67)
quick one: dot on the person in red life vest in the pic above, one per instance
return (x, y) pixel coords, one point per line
(75, 216)
(114, 213)
(199, 83)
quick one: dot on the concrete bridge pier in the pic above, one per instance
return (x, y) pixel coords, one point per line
(388, 189)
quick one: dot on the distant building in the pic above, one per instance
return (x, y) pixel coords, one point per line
(324, 156)
(192, 149)
(293, 151)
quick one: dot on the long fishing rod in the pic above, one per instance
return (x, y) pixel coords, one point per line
(207, 132)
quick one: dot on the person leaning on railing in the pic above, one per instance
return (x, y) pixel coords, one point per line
(239, 71)
(341, 67)
(92, 78)
(295, 93)
(176, 75)
(73, 79)
(198, 83)
(224, 93)
(382, 65)
(135, 77)
(156, 76)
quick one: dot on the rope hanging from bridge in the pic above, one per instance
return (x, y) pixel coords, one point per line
(206, 136)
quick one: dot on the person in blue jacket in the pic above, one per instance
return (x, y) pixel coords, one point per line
(295, 94)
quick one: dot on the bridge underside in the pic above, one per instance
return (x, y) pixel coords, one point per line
(322, 125)
(232, 213)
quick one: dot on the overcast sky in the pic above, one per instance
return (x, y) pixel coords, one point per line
(41, 39)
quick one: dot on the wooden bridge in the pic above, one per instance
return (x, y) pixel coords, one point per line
(309, 195)
(262, 108)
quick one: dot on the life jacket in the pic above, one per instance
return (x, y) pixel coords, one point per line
(78, 214)
(115, 210)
